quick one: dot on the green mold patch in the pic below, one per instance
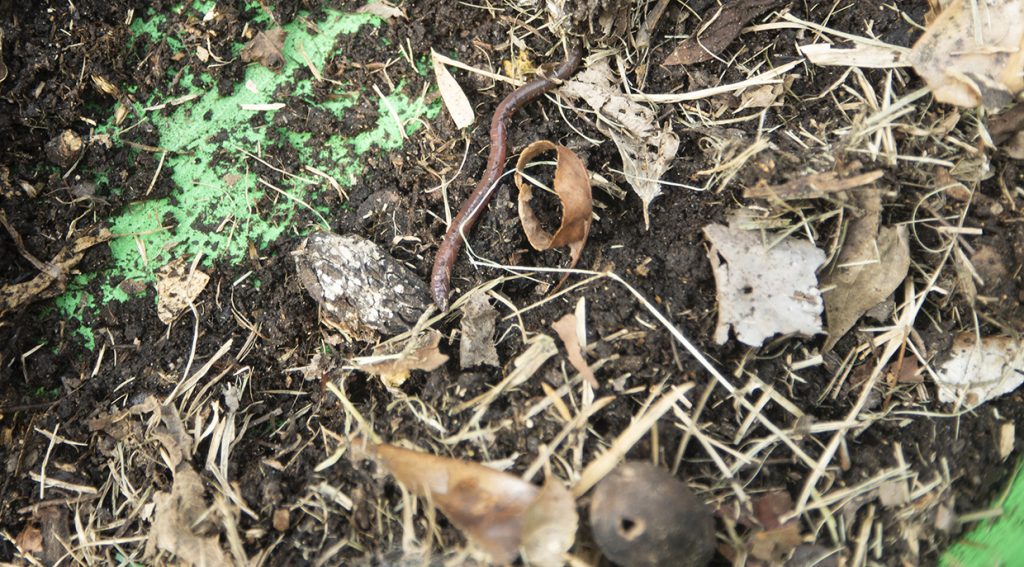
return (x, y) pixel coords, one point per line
(218, 206)
(995, 542)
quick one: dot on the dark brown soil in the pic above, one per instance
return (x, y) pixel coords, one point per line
(51, 55)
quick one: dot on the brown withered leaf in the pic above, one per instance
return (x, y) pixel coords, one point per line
(572, 185)
(265, 49)
(566, 329)
(496, 510)
(177, 286)
(872, 263)
(722, 29)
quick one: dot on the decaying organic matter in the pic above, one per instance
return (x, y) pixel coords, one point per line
(359, 286)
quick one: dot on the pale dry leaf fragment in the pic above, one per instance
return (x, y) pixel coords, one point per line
(978, 371)
(1007, 439)
(176, 288)
(477, 326)
(723, 28)
(419, 353)
(455, 100)
(174, 518)
(760, 97)
(566, 330)
(572, 185)
(383, 10)
(763, 291)
(549, 528)
(973, 53)
(265, 49)
(646, 148)
(491, 507)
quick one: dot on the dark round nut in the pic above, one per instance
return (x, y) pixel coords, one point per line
(641, 515)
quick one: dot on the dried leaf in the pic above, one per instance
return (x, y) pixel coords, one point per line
(566, 330)
(419, 353)
(549, 528)
(174, 520)
(775, 545)
(382, 10)
(1007, 439)
(763, 291)
(572, 185)
(496, 510)
(871, 265)
(477, 344)
(979, 371)
(265, 49)
(454, 98)
(724, 27)
(646, 148)
(176, 288)
(761, 97)
(1007, 130)
(973, 53)
(53, 276)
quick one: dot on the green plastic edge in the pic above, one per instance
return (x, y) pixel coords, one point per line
(996, 542)
(217, 206)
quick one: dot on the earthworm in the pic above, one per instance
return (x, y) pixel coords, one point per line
(477, 202)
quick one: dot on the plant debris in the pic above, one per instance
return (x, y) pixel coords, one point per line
(763, 290)
(53, 275)
(476, 346)
(718, 31)
(572, 185)
(395, 363)
(265, 49)
(973, 53)
(871, 265)
(500, 512)
(642, 516)
(177, 287)
(363, 289)
(646, 149)
(572, 330)
(978, 371)
(454, 98)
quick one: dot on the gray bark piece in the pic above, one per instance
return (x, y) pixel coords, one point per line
(360, 286)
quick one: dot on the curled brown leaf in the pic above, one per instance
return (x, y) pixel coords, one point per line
(572, 185)
(266, 48)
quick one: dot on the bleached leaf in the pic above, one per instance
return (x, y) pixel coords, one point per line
(549, 528)
(477, 344)
(419, 353)
(176, 288)
(763, 291)
(980, 371)
(566, 329)
(973, 53)
(383, 10)
(454, 98)
(646, 148)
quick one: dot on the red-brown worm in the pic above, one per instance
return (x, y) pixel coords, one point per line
(477, 202)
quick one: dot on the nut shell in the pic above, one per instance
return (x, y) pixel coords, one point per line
(641, 515)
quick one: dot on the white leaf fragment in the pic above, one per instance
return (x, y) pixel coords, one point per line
(763, 291)
(455, 100)
(980, 371)
(646, 148)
